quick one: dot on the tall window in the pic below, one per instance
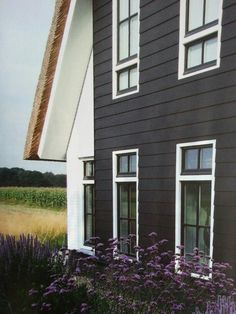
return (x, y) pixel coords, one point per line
(194, 197)
(89, 211)
(125, 47)
(200, 31)
(125, 190)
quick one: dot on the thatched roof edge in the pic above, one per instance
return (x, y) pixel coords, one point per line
(45, 81)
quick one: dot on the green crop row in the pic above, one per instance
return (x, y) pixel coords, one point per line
(39, 197)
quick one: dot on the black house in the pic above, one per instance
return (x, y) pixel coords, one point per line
(139, 97)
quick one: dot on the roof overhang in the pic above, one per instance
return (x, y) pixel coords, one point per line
(61, 81)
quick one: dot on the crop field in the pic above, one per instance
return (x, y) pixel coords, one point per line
(37, 211)
(54, 198)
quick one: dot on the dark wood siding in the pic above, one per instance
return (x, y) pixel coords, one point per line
(165, 112)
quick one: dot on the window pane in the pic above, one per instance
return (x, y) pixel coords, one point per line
(134, 35)
(134, 6)
(133, 77)
(124, 40)
(132, 227)
(123, 228)
(204, 240)
(123, 9)
(206, 158)
(191, 159)
(132, 161)
(123, 163)
(89, 169)
(212, 10)
(124, 199)
(195, 14)
(194, 55)
(124, 235)
(89, 198)
(189, 239)
(133, 201)
(123, 80)
(191, 197)
(210, 50)
(89, 227)
(205, 204)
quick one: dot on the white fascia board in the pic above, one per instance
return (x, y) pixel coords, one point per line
(68, 81)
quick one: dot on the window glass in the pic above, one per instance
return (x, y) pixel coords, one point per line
(133, 77)
(194, 55)
(190, 239)
(134, 35)
(88, 211)
(123, 80)
(195, 14)
(210, 50)
(89, 227)
(191, 203)
(204, 240)
(133, 201)
(124, 40)
(205, 204)
(123, 164)
(191, 159)
(123, 228)
(89, 168)
(206, 158)
(133, 161)
(89, 198)
(124, 200)
(212, 10)
(134, 6)
(123, 9)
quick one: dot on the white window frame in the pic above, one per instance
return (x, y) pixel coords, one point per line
(85, 248)
(201, 34)
(124, 65)
(119, 179)
(181, 178)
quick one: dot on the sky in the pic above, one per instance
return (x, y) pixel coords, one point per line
(24, 28)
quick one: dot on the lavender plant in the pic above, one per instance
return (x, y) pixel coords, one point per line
(158, 282)
(24, 263)
(224, 305)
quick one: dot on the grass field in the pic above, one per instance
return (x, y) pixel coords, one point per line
(45, 223)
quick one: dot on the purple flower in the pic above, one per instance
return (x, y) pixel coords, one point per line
(152, 235)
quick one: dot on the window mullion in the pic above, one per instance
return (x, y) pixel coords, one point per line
(129, 33)
(198, 214)
(204, 13)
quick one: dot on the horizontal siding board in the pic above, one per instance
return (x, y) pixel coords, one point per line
(152, 196)
(159, 31)
(156, 19)
(183, 133)
(229, 14)
(151, 7)
(209, 114)
(224, 214)
(149, 105)
(165, 112)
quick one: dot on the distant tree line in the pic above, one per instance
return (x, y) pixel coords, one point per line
(22, 177)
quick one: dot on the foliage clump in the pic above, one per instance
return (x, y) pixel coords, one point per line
(157, 282)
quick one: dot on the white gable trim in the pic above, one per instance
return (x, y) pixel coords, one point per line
(68, 81)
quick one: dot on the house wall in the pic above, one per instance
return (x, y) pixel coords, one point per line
(166, 112)
(81, 146)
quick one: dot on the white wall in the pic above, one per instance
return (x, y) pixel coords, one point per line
(68, 81)
(81, 146)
